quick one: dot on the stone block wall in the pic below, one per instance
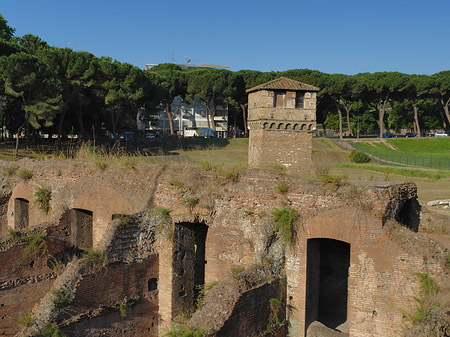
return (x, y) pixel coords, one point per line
(291, 149)
(261, 107)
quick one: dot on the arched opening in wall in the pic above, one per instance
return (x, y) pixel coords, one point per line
(409, 214)
(327, 266)
(81, 223)
(188, 263)
(21, 213)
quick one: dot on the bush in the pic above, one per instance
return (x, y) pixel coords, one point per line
(359, 157)
(43, 195)
(285, 223)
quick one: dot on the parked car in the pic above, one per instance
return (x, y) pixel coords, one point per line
(410, 134)
(441, 134)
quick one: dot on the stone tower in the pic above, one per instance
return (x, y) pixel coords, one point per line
(281, 119)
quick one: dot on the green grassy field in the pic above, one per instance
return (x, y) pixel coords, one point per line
(419, 147)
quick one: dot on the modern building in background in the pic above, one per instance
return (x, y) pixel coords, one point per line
(190, 116)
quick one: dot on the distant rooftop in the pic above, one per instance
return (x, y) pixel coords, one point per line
(192, 66)
(284, 83)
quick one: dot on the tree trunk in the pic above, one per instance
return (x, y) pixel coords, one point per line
(170, 118)
(61, 120)
(382, 103)
(347, 109)
(338, 107)
(80, 121)
(207, 114)
(19, 131)
(244, 118)
(416, 118)
(213, 114)
(445, 106)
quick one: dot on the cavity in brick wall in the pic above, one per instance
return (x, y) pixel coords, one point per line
(188, 264)
(409, 214)
(82, 228)
(21, 213)
(327, 282)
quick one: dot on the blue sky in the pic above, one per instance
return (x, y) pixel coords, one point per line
(346, 36)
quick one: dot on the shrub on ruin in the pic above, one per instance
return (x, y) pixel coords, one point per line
(10, 170)
(26, 320)
(333, 180)
(123, 310)
(51, 330)
(282, 187)
(286, 224)
(94, 258)
(60, 299)
(183, 330)
(25, 174)
(359, 157)
(42, 197)
(37, 244)
(191, 200)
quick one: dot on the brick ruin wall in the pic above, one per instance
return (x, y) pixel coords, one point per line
(381, 281)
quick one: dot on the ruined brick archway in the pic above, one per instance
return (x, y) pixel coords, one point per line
(322, 248)
(101, 203)
(22, 213)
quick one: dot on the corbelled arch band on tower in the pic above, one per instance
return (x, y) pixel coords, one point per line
(282, 119)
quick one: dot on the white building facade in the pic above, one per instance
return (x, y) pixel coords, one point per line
(189, 116)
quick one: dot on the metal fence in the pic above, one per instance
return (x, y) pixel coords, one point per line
(401, 160)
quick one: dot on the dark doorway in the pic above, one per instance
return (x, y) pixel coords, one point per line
(409, 214)
(21, 213)
(188, 264)
(81, 221)
(327, 282)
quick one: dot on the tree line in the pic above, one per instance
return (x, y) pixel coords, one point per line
(61, 91)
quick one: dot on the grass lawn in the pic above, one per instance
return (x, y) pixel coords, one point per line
(418, 147)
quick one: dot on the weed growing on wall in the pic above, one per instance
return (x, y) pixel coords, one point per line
(334, 181)
(282, 187)
(285, 224)
(203, 290)
(60, 299)
(56, 266)
(123, 310)
(37, 244)
(94, 258)
(9, 171)
(101, 164)
(184, 331)
(191, 200)
(25, 174)
(428, 288)
(231, 176)
(51, 330)
(42, 197)
(236, 270)
(13, 233)
(26, 320)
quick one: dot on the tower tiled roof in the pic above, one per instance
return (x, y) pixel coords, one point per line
(284, 83)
